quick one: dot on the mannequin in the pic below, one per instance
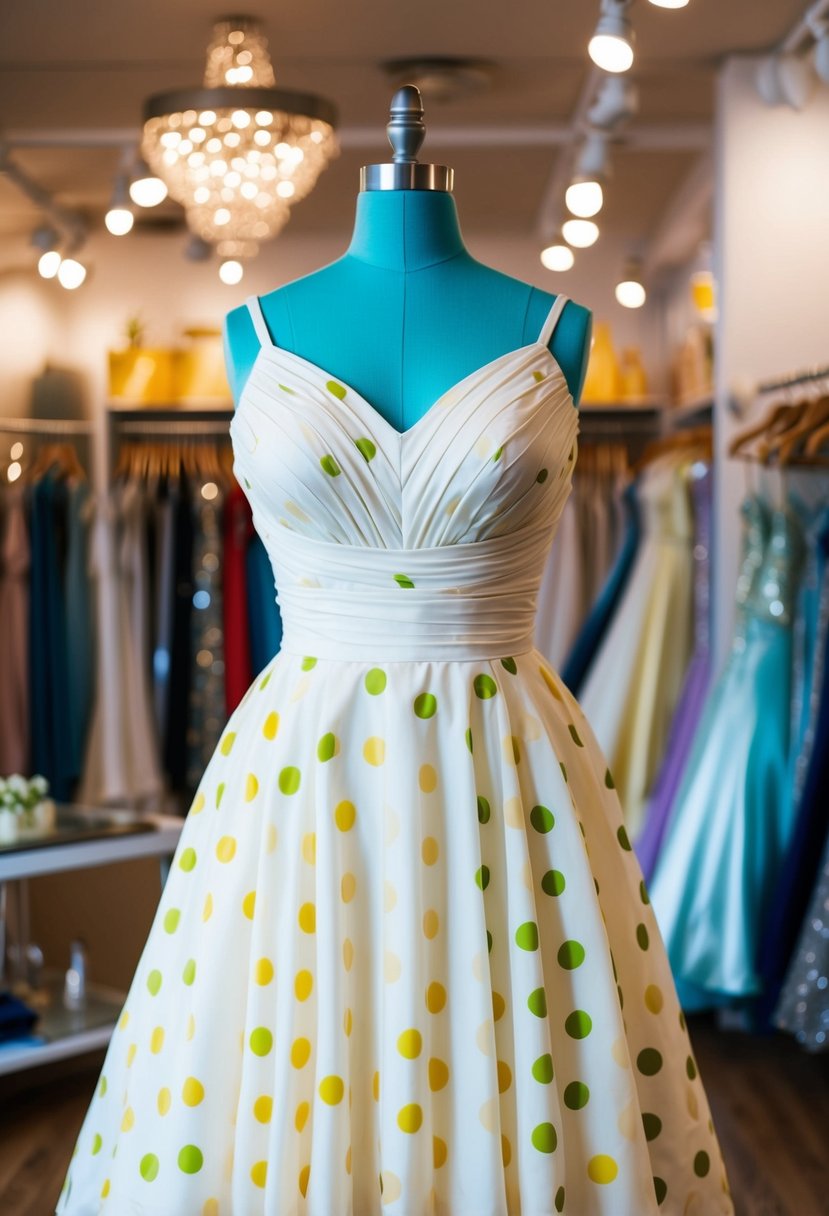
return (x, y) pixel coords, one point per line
(406, 312)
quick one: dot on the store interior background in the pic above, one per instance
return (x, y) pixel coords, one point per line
(706, 176)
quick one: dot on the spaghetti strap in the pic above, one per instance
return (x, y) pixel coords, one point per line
(257, 316)
(552, 320)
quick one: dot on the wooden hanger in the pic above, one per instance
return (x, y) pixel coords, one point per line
(679, 441)
(776, 419)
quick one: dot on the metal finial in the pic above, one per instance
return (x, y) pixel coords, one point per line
(406, 128)
(406, 131)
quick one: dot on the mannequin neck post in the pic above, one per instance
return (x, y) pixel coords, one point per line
(405, 230)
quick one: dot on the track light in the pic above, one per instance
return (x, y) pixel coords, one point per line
(585, 195)
(581, 234)
(557, 257)
(611, 47)
(231, 271)
(616, 104)
(146, 190)
(119, 219)
(48, 264)
(630, 291)
(47, 240)
(786, 80)
(71, 273)
(670, 3)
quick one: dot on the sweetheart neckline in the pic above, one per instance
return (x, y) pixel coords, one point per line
(377, 418)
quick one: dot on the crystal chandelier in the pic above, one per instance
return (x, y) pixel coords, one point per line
(238, 152)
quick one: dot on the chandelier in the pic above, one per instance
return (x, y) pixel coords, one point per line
(238, 152)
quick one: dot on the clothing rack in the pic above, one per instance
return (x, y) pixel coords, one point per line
(45, 426)
(817, 378)
(161, 427)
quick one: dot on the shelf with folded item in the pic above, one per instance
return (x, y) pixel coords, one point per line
(61, 1033)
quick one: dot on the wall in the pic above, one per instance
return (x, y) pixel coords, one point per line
(771, 250)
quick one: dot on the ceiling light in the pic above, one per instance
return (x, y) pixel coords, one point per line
(585, 195)
(557, 257)
(237, 152)
(616, 104)
(147, 190)
(786, 80)
(611, 47)
(584, 198)
(630, 292)
(71, 274)
(581, 234)
(119, 218)
(48, 263)
(670, 3)
(47, 239)
(231, 272)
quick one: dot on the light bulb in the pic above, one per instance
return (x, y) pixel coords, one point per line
(611, 52)
(557, 257)
(71, 274)
(581, 234)
(584, 198)
(231, 272)
(119, 220)
(670, 3)
(48, 263)
(631, 293)
(148, 191)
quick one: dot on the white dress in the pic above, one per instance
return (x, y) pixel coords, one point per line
(388, 969)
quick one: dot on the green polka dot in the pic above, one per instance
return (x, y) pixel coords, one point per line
(553, 882)
(574, 735)
(497, 454)
(425, 705)
(308, 662)
(187, 860)
(544, 1138)
(403, 580)
(643, 893)
(289, 780)
(154, 982)
(652, 1125)
(621, 996)
(691, 1069)
(576, 1095)
(560, 1199)
(330, 466)
(366, 449)
(261, 1041)
(485, 687)
(681, 1020)
(661, 1189)
(542, 819)
(97, 1144)
(263, 683)
(543, 1069)
(702, 1164)
(537, 1002)
(189, 972)
(538, 376)
(623, 839)
(488, 942)
(608, 780)
(571, 955)
(542, 476)
(468, 737)
(102, 1088)
(482, 877)
(220, 793)
(327, 747)
(510, 665)
(375, 681)
(148, 1167)
(649, 1062)
(642, 937)
(336, 389)
(483, 810)
(563, 770)
(578, 1024)
(190, 1159)
(526, 935)
(171, 920)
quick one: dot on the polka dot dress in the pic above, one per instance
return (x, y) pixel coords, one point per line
(405, 961)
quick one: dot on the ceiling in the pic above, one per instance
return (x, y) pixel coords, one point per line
(83, 69)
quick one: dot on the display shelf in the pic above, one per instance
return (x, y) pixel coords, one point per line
(60, 1032)
(690, 409)
(93, 846)
(134, 409)
(638, 405)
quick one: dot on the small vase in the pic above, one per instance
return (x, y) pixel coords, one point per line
(45, 815)
(602, 383)
(8, 826)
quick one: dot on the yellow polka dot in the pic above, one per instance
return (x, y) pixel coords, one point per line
(164, 1100)
(157, 1040)
(691, 1102)
(128, 1121)
(263, 971)
(374, 750)
(251, 787)
(375, 1086)
(438, 1151)
(348, 1022)
(506, 1150)
(123, 1020)
(304, 1175)
(452, 505)
(513, 813)
(511, 748)
(348, 953)
(550, 680)
(498, 1005)
(348, 1160)
(105, 1189)
(227, 743)
(430, 850)
(300, 1052)
(309, 847)
(270, 838)
(389, 896)
(308, 918)
(410, 1044)
(602, 1169)
(392, 967)
(348, 885)
(345, 813)
(249, 904)
(620, 1053)
(484, 1036)
(435, 997)
(303, 984)
(488, 1114)
(259, 1174)
(427, 778)
(207, 910)
(192, 1092)
(198, 804)
(410, 1117)
(504, 1076)
(653, 998)
(301, 1116)
(438, 1074)
(226, 849)
(191, 1028)
(263, 1109)
(392, 1188)
(211, 1207)
(431, 923)
(271, 725)
(133, 1048)
(332, 1090)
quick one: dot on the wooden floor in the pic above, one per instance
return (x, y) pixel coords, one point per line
(770, 1103)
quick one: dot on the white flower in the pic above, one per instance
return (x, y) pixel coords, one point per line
(18, 785)
(39, 784)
